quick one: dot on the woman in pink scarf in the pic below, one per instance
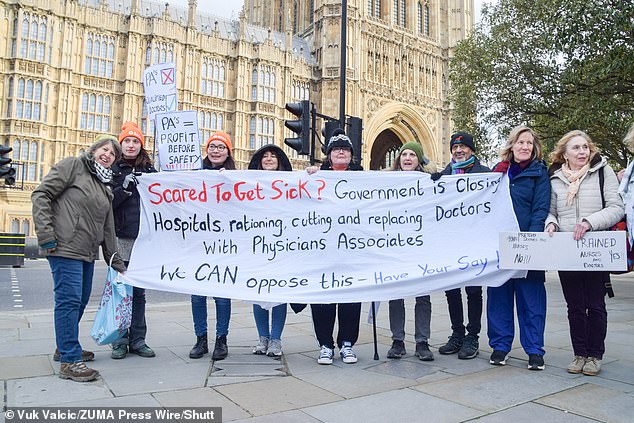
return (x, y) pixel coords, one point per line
(577, 205)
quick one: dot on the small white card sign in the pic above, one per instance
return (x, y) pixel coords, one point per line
(603, 251)
(178, 141)
(159, 82)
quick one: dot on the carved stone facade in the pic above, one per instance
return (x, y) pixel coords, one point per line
(72, 69)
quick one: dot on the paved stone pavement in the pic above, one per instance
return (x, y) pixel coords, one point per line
(296, 389)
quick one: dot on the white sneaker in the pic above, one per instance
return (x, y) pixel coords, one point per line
(262, 346)
(275, 348)
(347, 355)
(325, 355)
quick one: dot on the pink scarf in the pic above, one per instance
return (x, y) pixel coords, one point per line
(575, 179)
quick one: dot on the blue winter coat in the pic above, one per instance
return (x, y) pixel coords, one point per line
(530, 193)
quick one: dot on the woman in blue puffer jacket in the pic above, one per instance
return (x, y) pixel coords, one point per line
(530, 194)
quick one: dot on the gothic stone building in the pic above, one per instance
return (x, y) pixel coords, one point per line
(72, 69)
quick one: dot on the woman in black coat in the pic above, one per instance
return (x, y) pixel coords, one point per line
(126, 207)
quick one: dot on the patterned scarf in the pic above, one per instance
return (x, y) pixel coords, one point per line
(458, 168)
(103, 173)
(575, 179)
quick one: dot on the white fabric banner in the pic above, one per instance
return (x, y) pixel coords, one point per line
(328, 237)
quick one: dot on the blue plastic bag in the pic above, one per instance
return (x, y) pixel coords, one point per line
(114, 315)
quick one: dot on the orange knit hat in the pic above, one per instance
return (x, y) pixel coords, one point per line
(219, 136)
(131, 129)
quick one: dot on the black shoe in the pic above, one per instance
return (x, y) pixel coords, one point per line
(220, 349)
(422, 352)
(397, 350)
(469, 348)
(201, 348)
(498, 358)
(536, 362)
(453, 345)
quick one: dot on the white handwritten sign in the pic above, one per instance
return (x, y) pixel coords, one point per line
(603, 251)
(328, 237)
(159, 82)
(178, 141)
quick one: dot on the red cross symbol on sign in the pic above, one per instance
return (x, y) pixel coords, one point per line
(167, 76)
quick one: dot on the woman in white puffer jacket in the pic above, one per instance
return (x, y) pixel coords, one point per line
(626, 189)
(578, 206)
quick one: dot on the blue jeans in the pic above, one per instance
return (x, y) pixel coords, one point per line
(72, 283)
(278, 318)
(199, 313)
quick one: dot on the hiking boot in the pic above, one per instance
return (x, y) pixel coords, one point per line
(577, 364)
(275, 348)
(200, 348)
(422, 352)
(143, 351)
(453, 345)
(469, 348)
(221, 351)
(592, 366)
(77, 372)
(325, 355)
(536, 362)
(262, 346)
(119, 351)
(347, 355)
(397, 350)
(85, 355)
(498, 358)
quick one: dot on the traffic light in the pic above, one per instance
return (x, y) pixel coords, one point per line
(326, 131)
(6, 170)
(355, 131)
(300, 126)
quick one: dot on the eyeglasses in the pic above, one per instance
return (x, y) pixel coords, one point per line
(338, 149)
(218, 147)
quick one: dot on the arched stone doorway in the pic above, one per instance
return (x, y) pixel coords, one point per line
(384, 150)
(392, 126)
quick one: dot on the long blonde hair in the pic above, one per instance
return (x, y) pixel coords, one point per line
(506, 153)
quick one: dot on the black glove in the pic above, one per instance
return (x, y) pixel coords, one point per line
(435, 176)
(129, 182)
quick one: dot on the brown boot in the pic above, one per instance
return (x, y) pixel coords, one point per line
(77, 372)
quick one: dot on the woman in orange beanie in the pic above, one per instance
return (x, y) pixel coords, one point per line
(218, 149)
(126, 207)
(218, 152)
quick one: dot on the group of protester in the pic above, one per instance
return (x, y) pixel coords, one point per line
(90, 201)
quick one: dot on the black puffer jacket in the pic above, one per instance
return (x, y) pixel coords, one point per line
(352, 166)
(126, 207)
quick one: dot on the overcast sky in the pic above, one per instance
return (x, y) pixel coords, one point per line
(225, 8)
(222, 8)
